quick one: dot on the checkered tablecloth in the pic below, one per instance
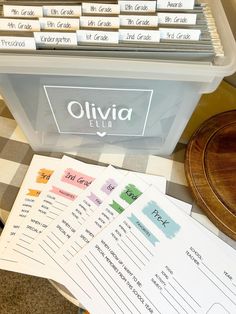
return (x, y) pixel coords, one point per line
(16, 155)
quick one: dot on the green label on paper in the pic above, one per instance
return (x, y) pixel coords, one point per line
(130, 193)
(117, 207)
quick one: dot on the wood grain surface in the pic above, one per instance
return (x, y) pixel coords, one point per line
(210, 167)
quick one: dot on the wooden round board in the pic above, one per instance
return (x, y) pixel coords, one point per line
(210, 168)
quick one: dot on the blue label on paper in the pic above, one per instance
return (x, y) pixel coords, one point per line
(143, 229)
(160, 218)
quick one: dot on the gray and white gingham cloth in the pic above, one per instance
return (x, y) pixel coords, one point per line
(16, 155)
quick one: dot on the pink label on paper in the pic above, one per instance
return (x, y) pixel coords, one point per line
(109, 186)
(63, 193)
(92, 197)
(76, 178)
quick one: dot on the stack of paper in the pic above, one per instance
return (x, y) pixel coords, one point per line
(116, 241)
(174, 29)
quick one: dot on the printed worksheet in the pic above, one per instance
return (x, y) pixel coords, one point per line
(62, 238)
(62, 244)
(126, 193)
(38, 174)
(53, 240)
(153, 259)
(85, 207)
(71, 179)
(22, 250)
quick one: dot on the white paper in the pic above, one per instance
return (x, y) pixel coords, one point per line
(144, 36)
(104, 37)
(137, 6)
(185, 207)
(129, 189)
(17, 43)
(64, 24)
(55, 39)
(22, 250)
(87, 205)
(147, 262)
(177, 18)
(63, 232)
(100, 8)
(142, 21)
(39, 172)
(62, 10)
(71, 178)
(175, 4)
(179, 34)
(99, 22)
(59, 243)
(22, 11)
(23, 25)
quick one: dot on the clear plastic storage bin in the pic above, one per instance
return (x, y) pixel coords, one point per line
(67, 101)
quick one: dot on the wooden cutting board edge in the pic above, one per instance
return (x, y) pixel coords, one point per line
(197, 195)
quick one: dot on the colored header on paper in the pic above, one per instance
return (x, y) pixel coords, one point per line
(109, 186)
(44, 175)
(96, 200)
(130, 193)
(77, 179)
(161, 219)
(143, 229)
(63, 193)
(119, 209)
(34, 193)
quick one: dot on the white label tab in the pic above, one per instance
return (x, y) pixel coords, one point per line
(17, 43)
(100, 8)
(19, 25)
(22, 11)
(99, 22)
(136, 35)
(177, 18)
(180, 34)
(139, 20)
(55, 39)
(138, 6)
(63, 11)
(84, 36)
(47, 23)
(175, 4)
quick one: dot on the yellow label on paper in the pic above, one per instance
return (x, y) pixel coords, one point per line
(34, 193)
(44, 175)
